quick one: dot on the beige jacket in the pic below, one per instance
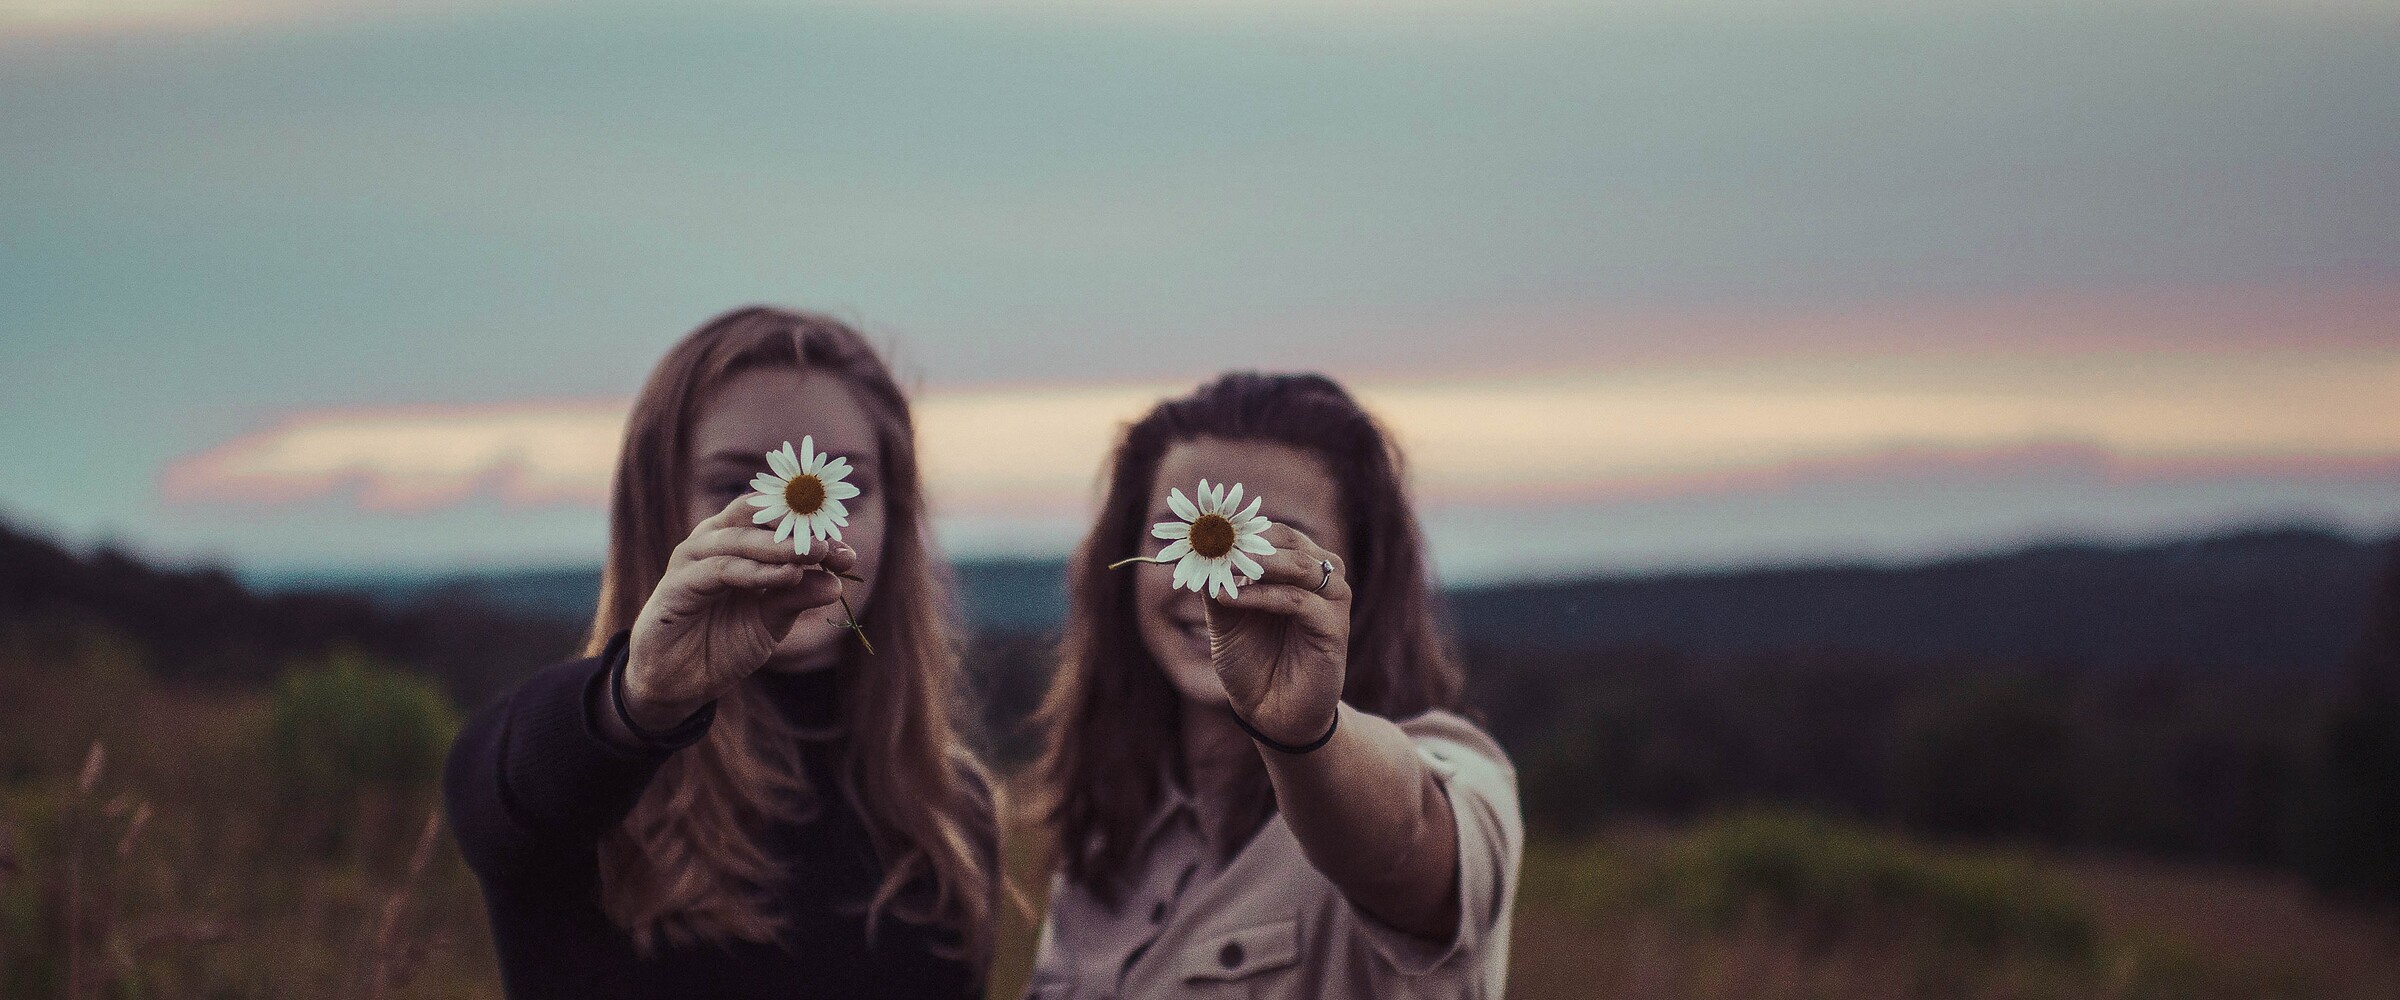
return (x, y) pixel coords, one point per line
(1266, 924)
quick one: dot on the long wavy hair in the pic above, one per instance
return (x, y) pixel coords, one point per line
(1112, 721)
(688, 864)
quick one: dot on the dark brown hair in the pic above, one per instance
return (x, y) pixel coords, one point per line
(1112, 719)
(687, 864)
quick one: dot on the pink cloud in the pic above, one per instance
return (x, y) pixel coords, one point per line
(414, 458)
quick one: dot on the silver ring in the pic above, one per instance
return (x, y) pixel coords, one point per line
(1324, 566)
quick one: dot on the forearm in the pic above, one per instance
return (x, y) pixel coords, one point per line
(537, 773)
(1371, 816)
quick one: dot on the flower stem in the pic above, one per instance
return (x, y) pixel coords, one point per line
(849, 617)
(1141, 559)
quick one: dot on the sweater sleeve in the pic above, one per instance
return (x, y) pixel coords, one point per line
(532, 781)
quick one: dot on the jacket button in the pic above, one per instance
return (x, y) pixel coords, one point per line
(1231, 957)
(1158, 912)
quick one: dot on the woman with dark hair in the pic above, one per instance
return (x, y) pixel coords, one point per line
(729, 795)
(1269, 790)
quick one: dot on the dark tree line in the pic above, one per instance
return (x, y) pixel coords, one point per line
(2354, 833)
(203, 626)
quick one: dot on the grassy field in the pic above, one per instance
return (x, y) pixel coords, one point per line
(274, 844)
(1767, 906)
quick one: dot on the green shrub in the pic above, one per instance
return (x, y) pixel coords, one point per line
(353, 725)
(1833, 880)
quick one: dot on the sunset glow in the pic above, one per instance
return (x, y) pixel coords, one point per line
(1495, 441)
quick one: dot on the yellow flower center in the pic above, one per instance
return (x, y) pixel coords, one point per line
(1212, 536)
(804, 494)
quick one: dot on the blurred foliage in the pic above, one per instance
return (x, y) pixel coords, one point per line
(203, 626)
(1765, 904)
(2172, 760)
(353, 724)
(1833, 881)
(163, 863)
(1987, 760)
(1006, 674)
(2353, 832)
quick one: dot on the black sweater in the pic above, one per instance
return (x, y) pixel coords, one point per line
(531, 786)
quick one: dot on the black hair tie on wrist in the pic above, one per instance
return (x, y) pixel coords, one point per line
(616, 698)
(1282, 747)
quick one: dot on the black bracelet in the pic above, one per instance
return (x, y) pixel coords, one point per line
(616, 699)
(1281, 747)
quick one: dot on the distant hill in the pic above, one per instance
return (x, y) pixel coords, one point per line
(2271, 600)
(205, 626)
(2284, 599)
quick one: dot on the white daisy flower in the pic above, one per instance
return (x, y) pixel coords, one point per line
(805, 491)
(1212, 542)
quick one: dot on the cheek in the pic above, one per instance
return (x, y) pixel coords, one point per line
(866, 534)
(701, 509)
(1151, 594)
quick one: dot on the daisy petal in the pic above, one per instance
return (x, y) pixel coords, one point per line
(768, 484)
(1207, 498)
(1171, 529)
(1250, 514)
(1223, 579)
(1181, 505)
(1242, 561)
(1254, 545)
(809, 459)
(765, 515)
(762, 500)
(1176, 550)
(835, 508)
(1232, 502)
(1183, 570)
(783, 529)
(838, 490)
(781, 461)
(834, 468)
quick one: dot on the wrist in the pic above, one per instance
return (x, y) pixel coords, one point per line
(1314, 739)
(648, 710)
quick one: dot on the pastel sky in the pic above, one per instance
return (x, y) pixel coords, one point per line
(298, 284)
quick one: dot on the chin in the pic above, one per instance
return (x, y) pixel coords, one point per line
(800, 652)
(1199, 688)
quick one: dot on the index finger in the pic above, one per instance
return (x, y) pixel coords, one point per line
(1286, 537)
(737, 511)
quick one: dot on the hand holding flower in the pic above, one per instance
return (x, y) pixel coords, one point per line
(1278, 610)
(730, 594)
(1282, 644)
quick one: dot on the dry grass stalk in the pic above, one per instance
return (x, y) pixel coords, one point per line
(394, 959)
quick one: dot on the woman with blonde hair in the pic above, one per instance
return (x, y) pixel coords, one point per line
(731, 793)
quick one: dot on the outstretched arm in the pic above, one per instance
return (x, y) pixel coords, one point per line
(1365, 807)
